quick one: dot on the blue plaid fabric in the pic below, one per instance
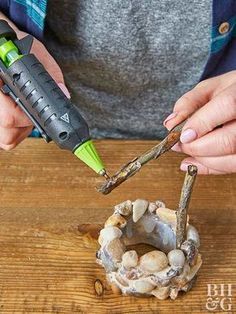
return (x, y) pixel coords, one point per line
(223, 46)
(29, 15)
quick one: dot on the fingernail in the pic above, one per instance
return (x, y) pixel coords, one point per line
(176, 148)
(188, 135)
(64, 89)
(184, 166)
(171, 116)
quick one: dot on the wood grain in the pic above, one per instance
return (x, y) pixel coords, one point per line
(47, 262)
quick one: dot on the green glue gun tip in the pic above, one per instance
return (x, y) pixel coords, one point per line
(87, 153)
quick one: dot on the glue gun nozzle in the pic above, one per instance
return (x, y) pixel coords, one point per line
(104, 174)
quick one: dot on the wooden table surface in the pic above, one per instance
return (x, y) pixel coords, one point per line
(47, 261)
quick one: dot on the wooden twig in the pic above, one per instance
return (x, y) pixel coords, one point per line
(183, 204)
(135, 165)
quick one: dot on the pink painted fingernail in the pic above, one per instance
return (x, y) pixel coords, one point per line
(64, 89)
(171, 116)
(184, 166)
(176, 148)
(188, 136)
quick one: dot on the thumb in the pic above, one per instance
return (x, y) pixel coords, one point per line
(50, 65)
(64, 89)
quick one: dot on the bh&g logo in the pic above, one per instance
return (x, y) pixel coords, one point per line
(219, 297)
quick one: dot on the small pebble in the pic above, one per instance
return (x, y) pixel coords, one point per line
(153, 261)
(115, 249)
(185, 272)
(181, 279)
(173, 293)
(161, 293)
(176, 258)
(194, 269)
(124, 208)
(190, 250)
(108, 234)
(160, 204)
(167, 215)
(139, 208)
(142, 286)
(193, 235)
(148, 223)
(116, 220)
(130, 259)
(121, 280)
(152, 207)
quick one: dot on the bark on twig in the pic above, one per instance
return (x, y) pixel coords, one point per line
(183, 204)
(135, 165)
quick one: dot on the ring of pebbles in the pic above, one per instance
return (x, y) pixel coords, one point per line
(162, 272)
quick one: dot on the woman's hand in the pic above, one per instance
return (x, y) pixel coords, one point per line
(209, 135)
(14, 124)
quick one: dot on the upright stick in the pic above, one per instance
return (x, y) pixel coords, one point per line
(183, 204)
(135, 165)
